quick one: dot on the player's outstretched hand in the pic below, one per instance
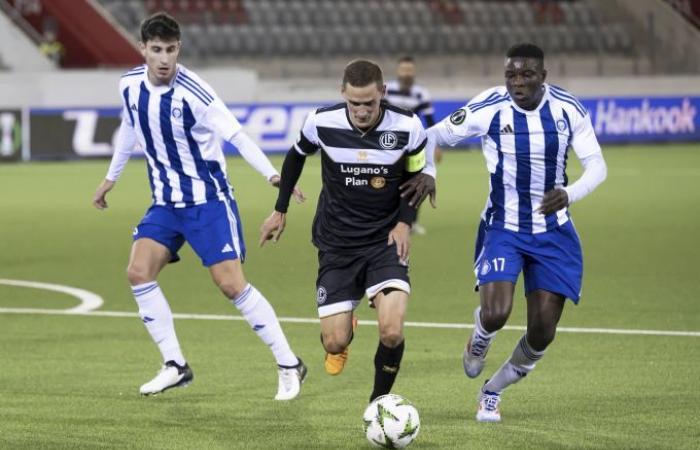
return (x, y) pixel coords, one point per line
(418, 188)
(297, 194)
(553, 201)
(272, 227)
(401, 236)
(99, 200)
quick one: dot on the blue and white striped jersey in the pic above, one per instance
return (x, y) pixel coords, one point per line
(180, 128)
(525, 151)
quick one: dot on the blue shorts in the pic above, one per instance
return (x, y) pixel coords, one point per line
(552, 260)
(213, 230)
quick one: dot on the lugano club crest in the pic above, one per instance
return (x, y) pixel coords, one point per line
(321, 295)
(388, 140)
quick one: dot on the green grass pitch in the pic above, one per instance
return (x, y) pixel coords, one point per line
(72, 381)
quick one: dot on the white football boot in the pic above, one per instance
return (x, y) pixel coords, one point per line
(290, 380)
(488, 406)
(171, 375)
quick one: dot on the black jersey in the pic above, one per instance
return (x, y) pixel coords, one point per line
(361, 172)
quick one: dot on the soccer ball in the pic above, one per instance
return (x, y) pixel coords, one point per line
(391, 421)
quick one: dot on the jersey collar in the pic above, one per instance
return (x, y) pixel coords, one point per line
(161, 89)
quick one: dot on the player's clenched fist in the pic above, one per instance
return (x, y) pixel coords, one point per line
(100, 198)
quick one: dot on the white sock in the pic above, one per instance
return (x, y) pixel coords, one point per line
(156, 315)
(260, 315)
(480, 337)
(516, 368)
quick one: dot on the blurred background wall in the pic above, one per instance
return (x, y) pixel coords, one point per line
(635, 63)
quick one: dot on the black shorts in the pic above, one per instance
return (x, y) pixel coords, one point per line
(345, 277)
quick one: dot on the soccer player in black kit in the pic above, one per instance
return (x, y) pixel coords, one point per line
(362, 225)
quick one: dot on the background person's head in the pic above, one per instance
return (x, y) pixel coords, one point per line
(406, 72)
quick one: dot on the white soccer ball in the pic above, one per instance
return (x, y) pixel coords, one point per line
(391, 421)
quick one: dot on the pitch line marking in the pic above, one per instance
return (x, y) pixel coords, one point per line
(181, 316)
(89, 301)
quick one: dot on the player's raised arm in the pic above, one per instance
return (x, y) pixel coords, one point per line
(253, 155)
(446, 131)
(471, 120)
(124, 145)
(227, 125)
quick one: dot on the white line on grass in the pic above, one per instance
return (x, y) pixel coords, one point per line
(631, 332)
(89, 301)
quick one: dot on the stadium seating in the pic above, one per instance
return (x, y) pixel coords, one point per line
(264, 28)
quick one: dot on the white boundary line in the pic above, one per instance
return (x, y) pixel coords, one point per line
(631, 332)
(90, 301)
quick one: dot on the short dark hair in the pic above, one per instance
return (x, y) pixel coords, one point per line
(407, 59)
(525, 50)
(160, 25)
(360, 73)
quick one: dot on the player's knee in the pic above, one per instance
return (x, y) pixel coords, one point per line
(231, 288)
(231, 282)
(137, 274)
(391, 340)
(494, 318)
(391, 336)
(335, 342)
(540, 336)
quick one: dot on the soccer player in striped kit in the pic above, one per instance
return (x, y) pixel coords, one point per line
(178, 120)
(368, 149)
(526, 129)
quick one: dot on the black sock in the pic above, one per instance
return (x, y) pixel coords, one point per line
(386, 367)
